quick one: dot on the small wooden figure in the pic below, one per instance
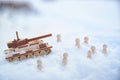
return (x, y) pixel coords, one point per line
(39, 65)
(58, 38)
(65, 59)
(86, 39)
(104, 50)
(77, 42)
(93, 49)
(89, 54)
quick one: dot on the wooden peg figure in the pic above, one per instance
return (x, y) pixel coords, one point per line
(104, 50)
(89, 54)
(58, 38)
(65, 59)
(77, 42)
(93, 49)
(86, 39)
(39, 65)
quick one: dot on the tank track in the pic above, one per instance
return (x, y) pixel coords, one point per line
(29, 54)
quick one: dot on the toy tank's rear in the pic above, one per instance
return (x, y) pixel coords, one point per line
(20, 49)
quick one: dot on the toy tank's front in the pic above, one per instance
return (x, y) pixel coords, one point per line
(27, 48)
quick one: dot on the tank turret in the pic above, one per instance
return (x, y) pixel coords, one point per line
(27, 48)
(15, 43)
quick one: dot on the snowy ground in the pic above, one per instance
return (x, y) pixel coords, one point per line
(72, 19)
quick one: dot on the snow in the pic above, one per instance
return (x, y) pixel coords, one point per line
(99, 20)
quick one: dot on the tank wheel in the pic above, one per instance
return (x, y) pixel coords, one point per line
(49, 51)
(36, 54)
(9, 59)
(30, 55)
(43, 52)
(22, 57)
(15, 58)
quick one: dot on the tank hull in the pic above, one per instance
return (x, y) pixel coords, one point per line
(28, 48)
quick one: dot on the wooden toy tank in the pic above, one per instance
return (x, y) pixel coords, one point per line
(20, 49)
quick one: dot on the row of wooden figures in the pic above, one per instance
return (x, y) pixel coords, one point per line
(65, 56)
(86, 39)
(77, 40)
(64, 61)
(77, 44)
(93, 50)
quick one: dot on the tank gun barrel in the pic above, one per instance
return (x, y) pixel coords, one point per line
(40, 37)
